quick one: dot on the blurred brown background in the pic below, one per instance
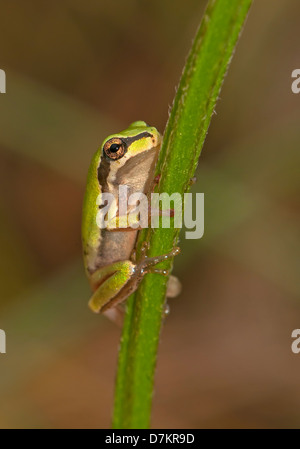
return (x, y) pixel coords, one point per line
(76, 72)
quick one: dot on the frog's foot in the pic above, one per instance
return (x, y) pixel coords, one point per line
(116, 314)
(146, 263)
(174, 287)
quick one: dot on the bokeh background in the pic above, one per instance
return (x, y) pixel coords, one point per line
(76, 72)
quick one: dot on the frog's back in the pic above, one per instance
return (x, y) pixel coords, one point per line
(90, 230)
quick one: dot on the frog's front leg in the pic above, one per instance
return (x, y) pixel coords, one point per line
(121, 223)
(132, 221)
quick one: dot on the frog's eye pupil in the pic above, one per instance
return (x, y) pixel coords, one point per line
(114, 147)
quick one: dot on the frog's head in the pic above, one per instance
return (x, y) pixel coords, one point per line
(138, 138)
(129, 157)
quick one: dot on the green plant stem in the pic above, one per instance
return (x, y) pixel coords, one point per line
(184, 137)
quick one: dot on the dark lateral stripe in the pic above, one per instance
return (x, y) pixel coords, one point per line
(129, 140)
(103, 172)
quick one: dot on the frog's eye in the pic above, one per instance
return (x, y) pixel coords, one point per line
(114, 148)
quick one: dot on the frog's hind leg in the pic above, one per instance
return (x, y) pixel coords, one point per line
(116, 314)
(108, 282)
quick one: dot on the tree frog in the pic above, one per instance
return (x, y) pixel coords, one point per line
(127, 158)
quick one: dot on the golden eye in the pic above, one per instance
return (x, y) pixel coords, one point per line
(114, 148)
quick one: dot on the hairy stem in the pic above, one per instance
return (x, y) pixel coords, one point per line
(184, 137)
